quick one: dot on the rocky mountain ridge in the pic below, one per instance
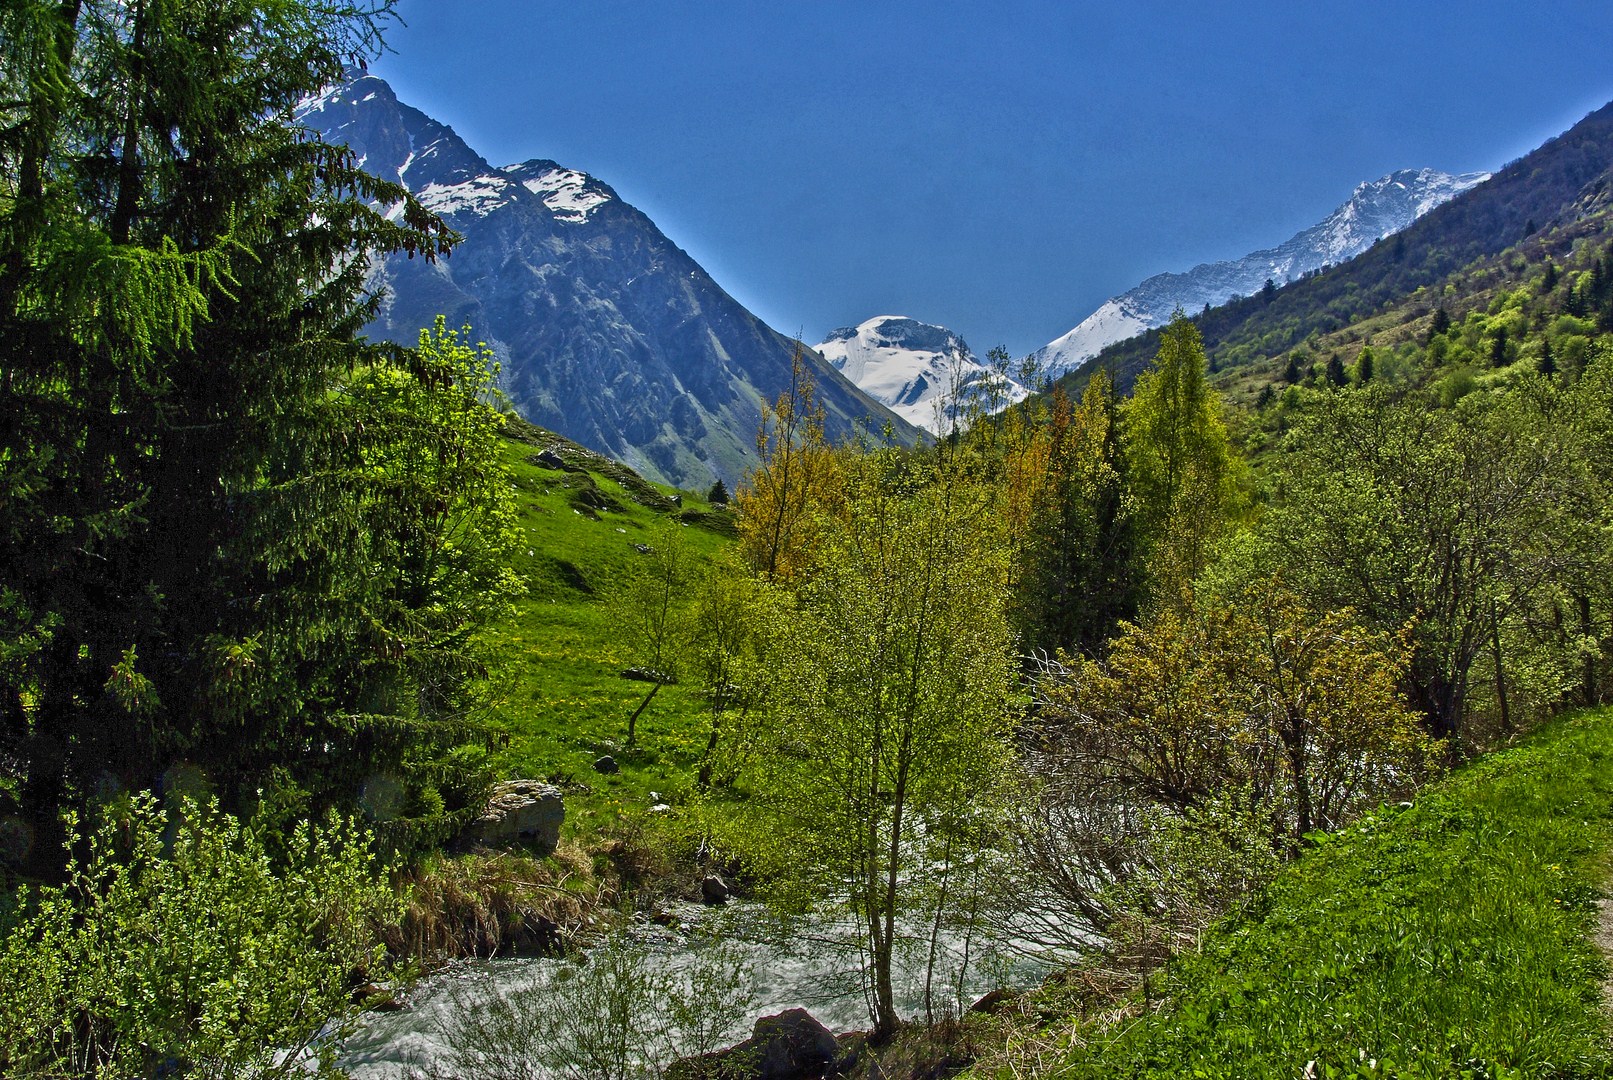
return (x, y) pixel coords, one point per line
(1376, 209)
(606, 331)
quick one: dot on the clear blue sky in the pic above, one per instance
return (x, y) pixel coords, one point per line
(998, 167)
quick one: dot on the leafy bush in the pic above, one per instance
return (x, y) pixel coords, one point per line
(179, 945)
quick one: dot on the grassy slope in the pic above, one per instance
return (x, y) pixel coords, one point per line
(562, 699)
(1450, 939)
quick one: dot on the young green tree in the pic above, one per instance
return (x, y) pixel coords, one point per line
(1364, 366)
(732, 627)
(1446, 520)
(885, 728)
(653, 613)
(1181, 462)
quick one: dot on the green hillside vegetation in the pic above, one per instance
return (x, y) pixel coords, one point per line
(1549, 201)
(561, 699)
(278, 606)
(1449, 937)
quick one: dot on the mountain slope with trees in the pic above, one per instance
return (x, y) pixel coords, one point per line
(1559, 187)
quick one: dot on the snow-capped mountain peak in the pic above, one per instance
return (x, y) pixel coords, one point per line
(924, 373)
(605, 330)
(1375, 209)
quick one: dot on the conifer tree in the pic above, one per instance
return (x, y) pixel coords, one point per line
(1082, 573)
(193, 514)
(1440, 325)
(1498, 347)
(1335, 371)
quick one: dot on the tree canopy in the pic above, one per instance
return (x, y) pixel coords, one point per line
(203, 469)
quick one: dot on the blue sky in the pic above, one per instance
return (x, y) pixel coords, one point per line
(1001, 168)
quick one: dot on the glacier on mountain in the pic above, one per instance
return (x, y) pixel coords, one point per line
(924, 373)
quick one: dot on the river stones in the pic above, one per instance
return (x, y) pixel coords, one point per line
(713, 889)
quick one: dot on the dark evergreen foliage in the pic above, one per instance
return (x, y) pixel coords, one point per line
(1335, 371)
(193, 591)
(1082, 572)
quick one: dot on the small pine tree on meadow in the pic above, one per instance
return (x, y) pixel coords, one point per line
(718, 495)
(1441, 323)
(1291, 372)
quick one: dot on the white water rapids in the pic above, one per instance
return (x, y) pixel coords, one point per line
(813, 965)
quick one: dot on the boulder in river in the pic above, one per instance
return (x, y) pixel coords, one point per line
(789, 1046)
(713, 889)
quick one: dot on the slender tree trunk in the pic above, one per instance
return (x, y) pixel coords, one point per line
(632, 721)
(935, 933)
(1294, 740)
(1500, 672)
(1588, 693)
(129, 162)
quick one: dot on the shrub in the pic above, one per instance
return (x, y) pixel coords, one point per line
(179, 945)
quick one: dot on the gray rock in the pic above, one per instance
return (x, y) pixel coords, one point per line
(789, 1046)
(644, 674)
(792, 1045)
(714, 890)
(607, 765)
(994, 1001)
(520, 811)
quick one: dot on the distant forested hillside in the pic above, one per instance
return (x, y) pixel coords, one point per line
(1561, 185)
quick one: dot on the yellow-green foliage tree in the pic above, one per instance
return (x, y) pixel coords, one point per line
(1255, 692)
(782, 503)
(1183, 471)
(1228, 725)
(884, 729)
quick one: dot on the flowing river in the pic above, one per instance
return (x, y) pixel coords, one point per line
(812, 964)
